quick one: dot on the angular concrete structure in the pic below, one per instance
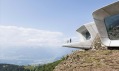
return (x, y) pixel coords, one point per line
(107, 23)
(87, 34)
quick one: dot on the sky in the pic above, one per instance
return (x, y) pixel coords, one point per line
(40, 27)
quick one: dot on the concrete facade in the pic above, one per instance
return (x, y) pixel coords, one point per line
(100, 20)
(87, 34)
(106, 24)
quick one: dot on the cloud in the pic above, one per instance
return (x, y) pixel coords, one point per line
(19, 36)
(3, 57)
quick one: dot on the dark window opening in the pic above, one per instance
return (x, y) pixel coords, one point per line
(87, 35)
(112, 26)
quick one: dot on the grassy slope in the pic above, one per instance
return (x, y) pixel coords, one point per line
(99, 60)
(45, 67)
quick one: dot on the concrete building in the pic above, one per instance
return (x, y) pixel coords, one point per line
(87, 34)
(106, 25)
(107, 18)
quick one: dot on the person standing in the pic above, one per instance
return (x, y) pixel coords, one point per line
(70, 40)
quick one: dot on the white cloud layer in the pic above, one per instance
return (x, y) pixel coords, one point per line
(19, 36)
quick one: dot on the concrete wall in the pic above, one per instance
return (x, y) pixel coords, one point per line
(84, 43)
(99, 16)
(97, 28)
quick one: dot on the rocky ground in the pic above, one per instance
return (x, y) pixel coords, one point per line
(93, 60)
(114, 33)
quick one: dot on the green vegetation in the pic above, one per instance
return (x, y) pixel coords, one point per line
(45, 67)
(10, 67)
(30, 67)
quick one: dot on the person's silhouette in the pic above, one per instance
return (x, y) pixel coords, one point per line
(70, 40)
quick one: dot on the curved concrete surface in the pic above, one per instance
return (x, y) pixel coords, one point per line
(87, 34)
(99, 17)
(106, 25)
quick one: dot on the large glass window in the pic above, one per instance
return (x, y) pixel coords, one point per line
(112, 25)
(87, 35)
